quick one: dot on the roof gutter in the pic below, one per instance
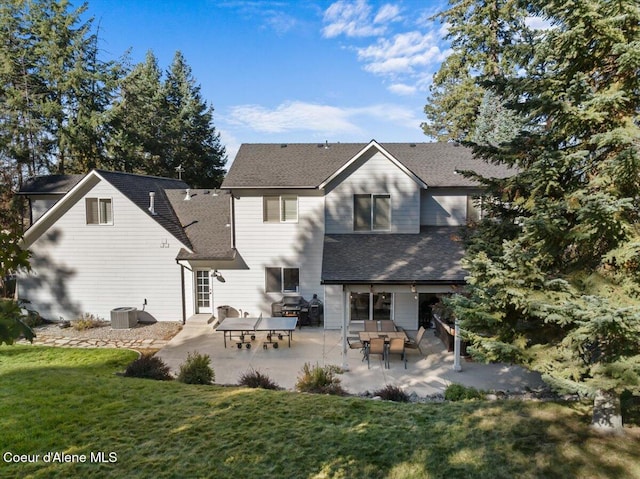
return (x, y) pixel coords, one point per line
(459, 282)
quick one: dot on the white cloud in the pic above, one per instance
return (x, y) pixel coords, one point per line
(402, 89)
(387, 13)
(406, 59)
(320, 119)
(354, 19)
(402, 53)
(292, 116)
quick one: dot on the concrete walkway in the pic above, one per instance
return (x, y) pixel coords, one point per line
(62, 341)
(426, 374)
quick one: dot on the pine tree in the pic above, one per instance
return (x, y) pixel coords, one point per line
(485, 37)
(192, 140)
(555, 281)
(139, 119)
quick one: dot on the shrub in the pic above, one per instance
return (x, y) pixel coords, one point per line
(458, 392)
(320, 380)
(88, 321)
(255, 379)
(149, 367)
(392, 393)
(196, 369)
(33, 319)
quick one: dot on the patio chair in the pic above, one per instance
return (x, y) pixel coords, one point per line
(370, 326)
(376, 346)
(355, 343)
(387, 325)
(415, 343)
(396, 346)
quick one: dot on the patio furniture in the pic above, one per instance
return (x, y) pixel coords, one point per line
(376, 346)
(396, 346)
(355, 343)
(387, 325)
(415, 343)
(245, 328)
(370, 325)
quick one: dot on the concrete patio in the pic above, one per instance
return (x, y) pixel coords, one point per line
(426, 374)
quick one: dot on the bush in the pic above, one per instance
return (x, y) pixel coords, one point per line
(88, 321)
(196, 369)
(458, 392)
(392, 393)
(320, 380)
(148, 366)
(255, 379)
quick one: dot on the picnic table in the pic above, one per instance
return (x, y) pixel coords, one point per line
(245, 329)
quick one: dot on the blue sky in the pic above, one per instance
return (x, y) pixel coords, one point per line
(285, 71)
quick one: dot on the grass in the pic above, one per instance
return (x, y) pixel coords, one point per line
(71, 400)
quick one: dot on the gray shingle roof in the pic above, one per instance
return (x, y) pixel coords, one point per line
(307, 165)
(205, 219)
(433, 256)
(49, 184)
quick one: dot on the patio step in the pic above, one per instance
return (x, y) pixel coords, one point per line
(201, 319)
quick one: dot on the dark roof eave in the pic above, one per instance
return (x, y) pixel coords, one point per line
(281, 187)
(185, 256)
(396, 281)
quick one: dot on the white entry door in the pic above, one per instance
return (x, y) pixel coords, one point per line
(203, 291)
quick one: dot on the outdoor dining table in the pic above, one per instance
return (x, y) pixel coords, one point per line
(365, 336)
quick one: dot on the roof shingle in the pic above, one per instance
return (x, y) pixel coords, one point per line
(433, 256)
(307, 165)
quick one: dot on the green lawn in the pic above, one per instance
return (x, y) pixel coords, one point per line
(71, 401)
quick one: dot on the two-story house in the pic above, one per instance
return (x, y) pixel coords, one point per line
(370, 228)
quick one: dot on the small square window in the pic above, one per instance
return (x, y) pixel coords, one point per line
(282, 280)
(280, 209)
(99, 211)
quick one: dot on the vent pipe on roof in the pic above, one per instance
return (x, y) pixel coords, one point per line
(152, 206)
(188, 196)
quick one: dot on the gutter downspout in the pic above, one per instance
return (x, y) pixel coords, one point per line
(184, 308)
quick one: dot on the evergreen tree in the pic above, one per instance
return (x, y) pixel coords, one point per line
(495, 123)
(555, 282)
(485, 37)
(139, 120)
(191, 139)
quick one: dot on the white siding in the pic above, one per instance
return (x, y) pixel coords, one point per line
(333, 306)
(80, 268)
(377, 175)
(261, 245)
(405, 310)
(444, 206)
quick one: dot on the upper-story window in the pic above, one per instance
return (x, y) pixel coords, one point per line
(99, 211)
(280, 209)
(371, 212)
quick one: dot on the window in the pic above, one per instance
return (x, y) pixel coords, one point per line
(371, 306)
(280, 209)
(99, 211)
(282, 280)
(371, 212)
